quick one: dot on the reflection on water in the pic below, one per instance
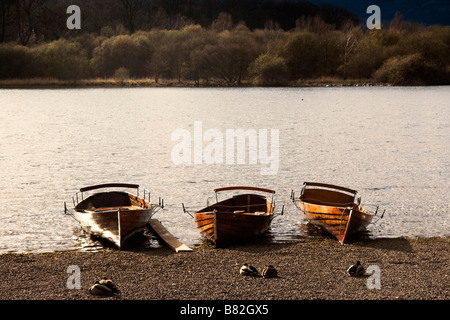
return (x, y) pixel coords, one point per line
(390, 144)
(143, 240)
(310, 231)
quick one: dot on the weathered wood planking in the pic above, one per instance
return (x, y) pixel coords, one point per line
(167, 237)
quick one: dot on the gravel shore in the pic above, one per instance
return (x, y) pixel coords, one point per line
(407, 268)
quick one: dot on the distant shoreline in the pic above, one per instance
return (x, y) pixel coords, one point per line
(43, 83)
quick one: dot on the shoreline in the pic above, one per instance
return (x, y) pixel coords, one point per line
(51, 83)
(409, 269)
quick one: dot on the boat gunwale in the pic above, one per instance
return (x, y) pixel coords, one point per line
(321, 186)
(248, 188)
(110, 185)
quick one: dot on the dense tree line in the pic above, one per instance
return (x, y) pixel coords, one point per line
(226, 50)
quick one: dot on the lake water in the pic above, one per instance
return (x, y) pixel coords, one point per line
(391, 144)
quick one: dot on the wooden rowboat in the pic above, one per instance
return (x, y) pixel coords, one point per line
(112, 215)
(235, 219)
(335, 209)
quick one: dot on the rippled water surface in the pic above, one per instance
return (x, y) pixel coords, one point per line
(390, 144)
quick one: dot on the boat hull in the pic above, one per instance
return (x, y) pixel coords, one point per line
(250, 216)
(116, 226)
(333, 209)
(338, 222)
(223, 228)
(113, 215)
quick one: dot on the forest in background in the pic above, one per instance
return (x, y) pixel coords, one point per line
(206, 42)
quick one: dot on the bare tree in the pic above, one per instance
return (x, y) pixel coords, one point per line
(350, 40)
(27, 12)
(397, 21)
(5, 6)
(131, 8)
(313, 24)
(223, 22)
